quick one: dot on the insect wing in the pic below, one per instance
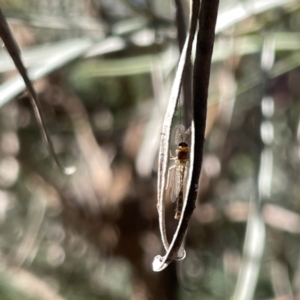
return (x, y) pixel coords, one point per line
(182, 135)
(180, 178)
(179, 134)
(187, 134)
(171, 185)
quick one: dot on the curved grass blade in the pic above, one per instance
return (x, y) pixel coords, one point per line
(205, 41)
(165, 135)
(14, 52)
(187, 79)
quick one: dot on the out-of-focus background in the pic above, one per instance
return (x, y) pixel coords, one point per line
(103, 73)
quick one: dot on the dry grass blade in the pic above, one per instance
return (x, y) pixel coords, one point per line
(143, 11)
(205, 41)
(165, 135)
(36, 212)
(187, 78)
(180, 24)
(14, 52)
(255, 235)
(245, 9)
(253, 250)
(20, 279)
(67, 52)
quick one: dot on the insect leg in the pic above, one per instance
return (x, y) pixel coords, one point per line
(171, 156)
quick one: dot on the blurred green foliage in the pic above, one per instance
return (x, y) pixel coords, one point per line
(94, 235)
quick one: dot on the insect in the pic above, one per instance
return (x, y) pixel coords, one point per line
(177, 173)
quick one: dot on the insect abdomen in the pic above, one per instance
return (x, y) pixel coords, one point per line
(179, 205)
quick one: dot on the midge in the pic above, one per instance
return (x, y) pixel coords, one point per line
(177, 173)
